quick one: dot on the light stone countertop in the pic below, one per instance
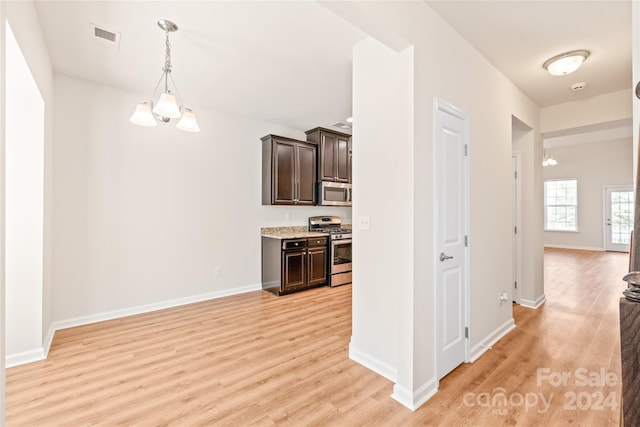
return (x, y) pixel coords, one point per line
(299, 232)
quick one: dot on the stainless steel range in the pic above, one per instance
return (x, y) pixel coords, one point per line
(340, 250)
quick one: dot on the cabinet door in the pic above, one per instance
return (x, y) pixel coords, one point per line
(342, 160)
(306, 174)
(294, 269)
(284, 166)
(317, 266)
(328, 157)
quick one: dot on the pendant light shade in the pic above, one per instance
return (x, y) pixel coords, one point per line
(548, 160)
(167, 106)
(143, 115)
(188, 122)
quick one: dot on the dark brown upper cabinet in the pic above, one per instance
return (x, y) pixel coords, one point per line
(334, 160)
(288, 171)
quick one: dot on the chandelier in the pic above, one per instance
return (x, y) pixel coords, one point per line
(168, 106)
(548, 160)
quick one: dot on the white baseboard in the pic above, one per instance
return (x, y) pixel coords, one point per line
(42, 353)
(29, 356)
(579, 248)
(533, 304)
(414, 400)
(495, 336)
(147, 308)
(370, 362)
(48, 340)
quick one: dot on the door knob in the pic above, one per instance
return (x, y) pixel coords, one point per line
(444, 257)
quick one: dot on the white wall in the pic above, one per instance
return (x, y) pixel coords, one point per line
(2, 205)
(24, 22)
(143, 216)
(383, 256)
(24, 199)
(610, 107)
(635, 35)
(447, 67)
(594, 165)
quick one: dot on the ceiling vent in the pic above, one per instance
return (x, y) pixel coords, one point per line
(104, 37)
(342, 125)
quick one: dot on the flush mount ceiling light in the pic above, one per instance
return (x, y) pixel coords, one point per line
(167, 107)
(548, 160)
(566, 63)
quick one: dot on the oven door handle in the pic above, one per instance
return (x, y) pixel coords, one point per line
(340, 242)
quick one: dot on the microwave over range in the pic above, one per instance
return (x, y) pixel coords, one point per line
(334, 193)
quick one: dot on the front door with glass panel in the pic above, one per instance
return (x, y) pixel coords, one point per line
(618, 217)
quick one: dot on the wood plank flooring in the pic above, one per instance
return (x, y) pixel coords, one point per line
(255, 359)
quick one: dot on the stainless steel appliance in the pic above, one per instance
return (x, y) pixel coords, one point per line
(340, 247)
(334, 194)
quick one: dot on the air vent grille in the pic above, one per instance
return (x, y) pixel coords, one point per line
(104, 34)
(105, 37)
(342, 125)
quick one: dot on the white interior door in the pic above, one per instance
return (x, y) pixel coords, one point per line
(451, 141)
(618, 217)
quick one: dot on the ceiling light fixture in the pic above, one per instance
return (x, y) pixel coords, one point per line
(167, 107)
(565, 63)
(548, 160)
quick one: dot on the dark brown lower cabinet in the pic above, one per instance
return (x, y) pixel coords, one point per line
(290, 265)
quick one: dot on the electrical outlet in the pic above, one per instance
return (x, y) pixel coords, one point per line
(364, 223)
(504, 296)
(218, 272)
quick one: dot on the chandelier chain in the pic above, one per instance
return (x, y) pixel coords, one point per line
(167, 56)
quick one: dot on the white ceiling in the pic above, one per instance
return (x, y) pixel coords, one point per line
(519, 36)
(289, 62)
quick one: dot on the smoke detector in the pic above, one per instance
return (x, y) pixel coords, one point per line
(104, 37)
(578, 86)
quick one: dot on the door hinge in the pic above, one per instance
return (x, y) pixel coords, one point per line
(466, 152)
(466, 241)
(515, 284)
(515, 229)
(515, 174)
(466, 332)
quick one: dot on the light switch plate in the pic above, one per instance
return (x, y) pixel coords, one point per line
(364, 223)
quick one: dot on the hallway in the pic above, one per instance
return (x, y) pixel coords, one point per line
(577, 328)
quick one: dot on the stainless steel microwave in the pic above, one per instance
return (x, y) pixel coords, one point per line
(334, 193)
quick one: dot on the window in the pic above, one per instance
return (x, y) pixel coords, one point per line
(622, 203)
(561, 205)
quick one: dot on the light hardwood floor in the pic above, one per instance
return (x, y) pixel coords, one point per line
(255, 359)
